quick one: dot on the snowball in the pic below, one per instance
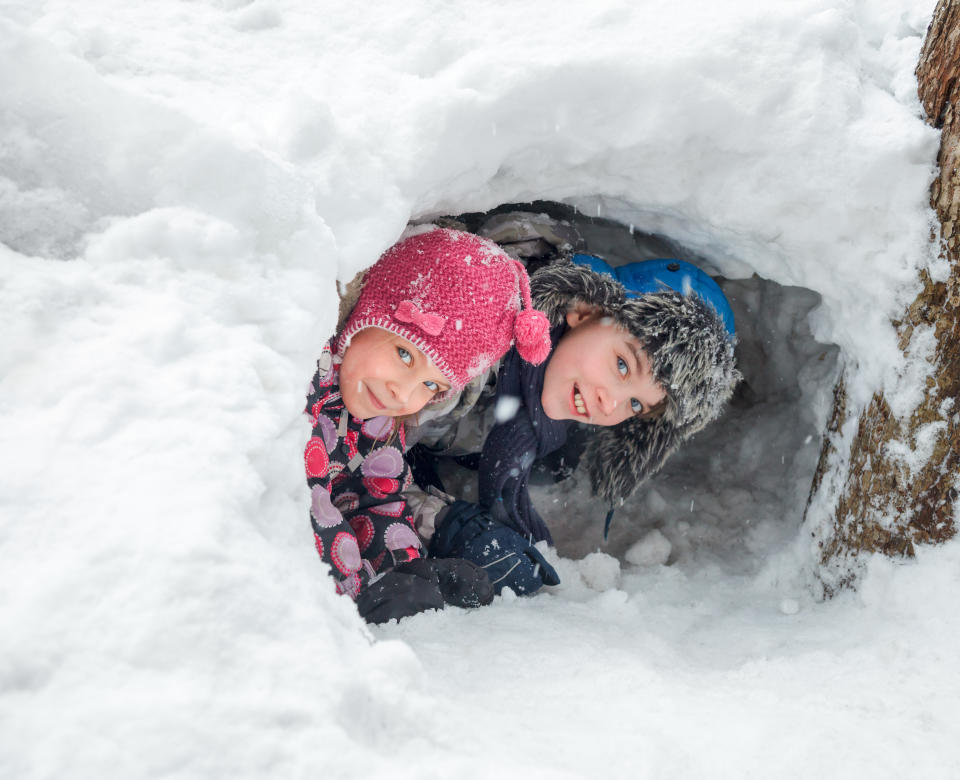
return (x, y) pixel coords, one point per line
(600, 571)
(789, 606)
(652, 550)
(508, 596)
(506, 408)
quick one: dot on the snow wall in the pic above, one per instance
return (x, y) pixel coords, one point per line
(180, 186)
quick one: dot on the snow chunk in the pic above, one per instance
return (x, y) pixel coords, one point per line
(652, 550)
(506, 408)
(789, 606)
(600, 571)
(260, 15)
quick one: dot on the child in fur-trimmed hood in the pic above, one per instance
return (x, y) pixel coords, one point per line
(672, 326)
(644, 352)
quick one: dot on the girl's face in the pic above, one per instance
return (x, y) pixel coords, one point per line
(385, 375)
(598, 373)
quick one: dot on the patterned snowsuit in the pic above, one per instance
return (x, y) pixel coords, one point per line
(356, 473)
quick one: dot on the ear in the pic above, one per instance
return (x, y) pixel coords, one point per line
(580, 313)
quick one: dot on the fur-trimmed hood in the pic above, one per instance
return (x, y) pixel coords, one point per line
(693, 359)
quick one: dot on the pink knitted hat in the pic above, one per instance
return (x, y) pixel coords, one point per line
(455, 296)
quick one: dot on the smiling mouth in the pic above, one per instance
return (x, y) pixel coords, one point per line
(374, 400)
(578, 403)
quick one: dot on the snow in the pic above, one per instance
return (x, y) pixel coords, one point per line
(506, 408)
(181, 184)
(652, 550)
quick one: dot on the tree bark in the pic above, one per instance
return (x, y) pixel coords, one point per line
(883, 505)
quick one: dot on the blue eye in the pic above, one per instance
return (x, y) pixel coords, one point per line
(432, 386)
(636, 406)
(405, 356)
(622, 366)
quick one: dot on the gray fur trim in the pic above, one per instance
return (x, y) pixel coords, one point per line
(349, 293)
(555, 288)
(620, 458)
(692, 356)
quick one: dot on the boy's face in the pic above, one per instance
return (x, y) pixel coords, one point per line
(598, 373)
(383, 374)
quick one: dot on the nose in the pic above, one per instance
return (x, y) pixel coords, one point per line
(606, 402)
(402, 390)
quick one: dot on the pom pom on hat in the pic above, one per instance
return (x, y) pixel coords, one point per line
(531, 329)
(532, 334)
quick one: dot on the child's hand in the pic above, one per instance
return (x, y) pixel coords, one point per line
(399, 593)
(462, 583)
(467, 531)
(420, 584)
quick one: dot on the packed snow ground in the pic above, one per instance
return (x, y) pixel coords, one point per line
(180, 186)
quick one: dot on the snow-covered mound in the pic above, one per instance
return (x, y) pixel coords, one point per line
(181, 184)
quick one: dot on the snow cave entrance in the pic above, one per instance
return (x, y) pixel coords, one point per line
(737, 491)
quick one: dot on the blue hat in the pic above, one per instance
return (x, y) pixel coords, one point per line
(653, 276)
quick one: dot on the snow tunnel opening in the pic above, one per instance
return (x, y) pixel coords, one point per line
(734, 493)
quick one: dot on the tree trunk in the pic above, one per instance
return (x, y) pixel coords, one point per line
(881, 504)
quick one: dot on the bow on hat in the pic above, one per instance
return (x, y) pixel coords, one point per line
(428, 322)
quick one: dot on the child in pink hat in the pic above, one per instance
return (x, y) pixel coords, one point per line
(436, 310)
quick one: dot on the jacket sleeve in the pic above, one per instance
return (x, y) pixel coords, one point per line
(334, 537)
(425, 507)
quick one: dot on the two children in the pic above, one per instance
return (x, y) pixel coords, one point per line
(437, 310)
(643, 354)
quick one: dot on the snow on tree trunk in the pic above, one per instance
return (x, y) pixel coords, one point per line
(874, 498)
